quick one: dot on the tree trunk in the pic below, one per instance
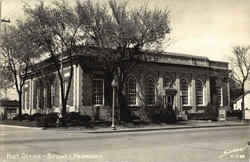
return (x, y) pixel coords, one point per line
(123, 105)
(64, 108)
(63, 111)
(124, 112)
(243, 103)
(20, 104)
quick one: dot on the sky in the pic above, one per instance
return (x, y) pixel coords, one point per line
(199, 27)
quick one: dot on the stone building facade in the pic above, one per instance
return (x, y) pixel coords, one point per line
(183, 82)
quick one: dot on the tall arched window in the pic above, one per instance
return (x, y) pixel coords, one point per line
(149, 90)
(184, 90)
(199, 92)
(131, 90)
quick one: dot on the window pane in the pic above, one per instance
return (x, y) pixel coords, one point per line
(98, 94)
(131, 91)
(149, 91)
(199, 92)
(219, 95)
(184, 89)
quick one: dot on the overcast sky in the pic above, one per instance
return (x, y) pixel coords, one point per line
(199, 27)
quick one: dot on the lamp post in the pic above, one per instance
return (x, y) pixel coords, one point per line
(114, 85)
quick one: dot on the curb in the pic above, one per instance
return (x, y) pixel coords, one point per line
(164, 128)
(135, 129)
(17, 126)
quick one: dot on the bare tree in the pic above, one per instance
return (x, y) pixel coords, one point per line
(56, 30)
(240, 70)
(126, 33)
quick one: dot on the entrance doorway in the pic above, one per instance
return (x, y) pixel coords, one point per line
(169, 101)
(169, 98)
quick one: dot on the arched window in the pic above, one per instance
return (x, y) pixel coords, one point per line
(199, 92)
(131, 90)
(184, 90)
(149, 90)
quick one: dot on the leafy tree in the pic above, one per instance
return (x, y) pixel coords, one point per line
(6, 80)
(125, 32)
(240, 63)
(18, 56)
(55, 29)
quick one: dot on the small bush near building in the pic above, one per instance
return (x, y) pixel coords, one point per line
(48, 120)
(35, 116)
(210, 113)
(22, 117)
(164, 115)
(235, 113)
(76, 119)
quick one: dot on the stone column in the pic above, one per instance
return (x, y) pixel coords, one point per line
(178, 99)
(208, 96)
(228, 94)
(160, 84)
(79, 87)
(193, 95)
(74, 87)
(31, 91)
(160, 88)
(45, 108)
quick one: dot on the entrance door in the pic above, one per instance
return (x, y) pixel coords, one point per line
(169, 98)
(169, 101)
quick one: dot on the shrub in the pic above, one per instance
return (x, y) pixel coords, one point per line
(235, 113)
(48, 120)
(76, 119)
(163, 115)
(210, 113)
(22, 117)
(85, 118)
(35, 116)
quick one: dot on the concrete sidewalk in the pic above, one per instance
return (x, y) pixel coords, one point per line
(191, 124)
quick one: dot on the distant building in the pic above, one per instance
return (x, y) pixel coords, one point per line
(237, 102)
(8, 109)
(177, 81)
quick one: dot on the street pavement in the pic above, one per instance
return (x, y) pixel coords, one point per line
(181, 145)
